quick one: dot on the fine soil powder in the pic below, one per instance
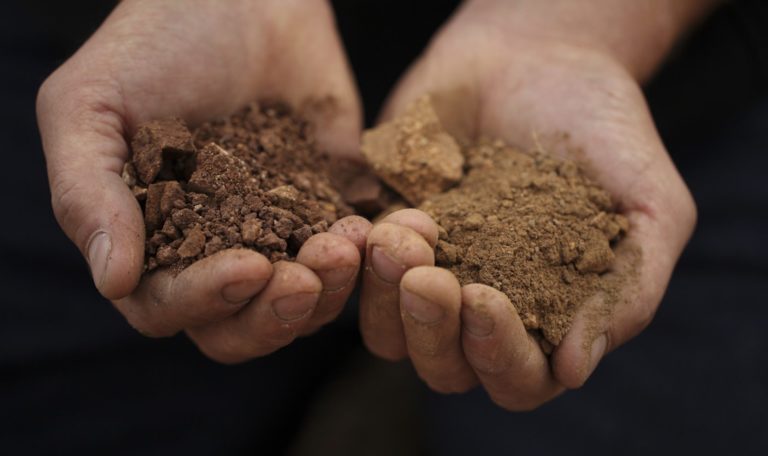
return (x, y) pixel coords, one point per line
(254, 180)
(533, 226)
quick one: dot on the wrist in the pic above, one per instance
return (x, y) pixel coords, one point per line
(637, 35)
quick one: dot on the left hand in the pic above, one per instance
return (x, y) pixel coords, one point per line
(512, 85)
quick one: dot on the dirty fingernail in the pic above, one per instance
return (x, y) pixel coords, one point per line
(476, 323)
(335, 279)
(295, 306)
(385, 267)
(239, 292)
(596, 353)
(99, 249)
(420, 309)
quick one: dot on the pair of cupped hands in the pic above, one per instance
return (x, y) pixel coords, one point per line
(200, 59)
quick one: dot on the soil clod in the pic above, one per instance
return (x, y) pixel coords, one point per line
(253, 180)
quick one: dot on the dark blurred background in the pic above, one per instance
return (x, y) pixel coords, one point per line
(75, 379)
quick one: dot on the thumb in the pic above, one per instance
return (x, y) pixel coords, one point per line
(82, 134)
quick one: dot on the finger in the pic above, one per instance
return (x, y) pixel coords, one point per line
(354, 228)
(270, 321)
(336, 261)
(645, 260)
(416, 220)
(586, 342)
(639, 276)
(391, 251)
(85, 150)
(430, 302)
(208, 290)
(508, 361)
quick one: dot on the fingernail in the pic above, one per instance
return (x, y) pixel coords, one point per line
(295, 306)
(99, 248)
(479, 324)
(596, 353)
(385, 267)
(420, 309)
(239, 292)
(336, 279)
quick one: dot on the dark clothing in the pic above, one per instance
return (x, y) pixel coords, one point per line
(76, 379)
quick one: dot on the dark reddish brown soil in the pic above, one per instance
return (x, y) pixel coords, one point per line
(533, 226)
(254, 180)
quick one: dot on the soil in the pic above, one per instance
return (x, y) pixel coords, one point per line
(253, 180)
(531, 225)
(413, 153)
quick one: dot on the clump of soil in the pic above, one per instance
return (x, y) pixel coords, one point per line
(253, 180)
(533, 226)
(414, 154)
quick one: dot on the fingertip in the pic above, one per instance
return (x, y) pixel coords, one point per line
(494, 337)
(584, 345)
(328, 251)
(416, 220)
(235, 265)
(480, 298)
(116, 261)
(390, 251)
(478, 294)
(108, 227)
(333, 258)
(236, 275)
(393, 249)
(294, 277)
(481, 307)
(575, 359)
(355, 229)
(432, 284)
(428, 295)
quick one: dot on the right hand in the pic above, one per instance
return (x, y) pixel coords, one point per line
(198, 59)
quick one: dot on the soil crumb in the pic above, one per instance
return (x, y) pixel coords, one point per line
(414, 154)
(533, 226)
(253, 180)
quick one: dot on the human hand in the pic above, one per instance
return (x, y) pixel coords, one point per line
(514, 77)
(198, 59)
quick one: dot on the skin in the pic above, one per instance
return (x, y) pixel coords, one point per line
(197, 59)
(516, 68)
(524, 71)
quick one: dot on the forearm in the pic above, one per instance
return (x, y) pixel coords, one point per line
(637, 33)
